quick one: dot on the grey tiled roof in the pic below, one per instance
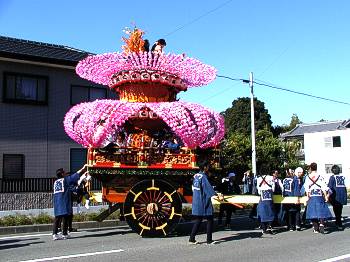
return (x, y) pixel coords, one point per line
(301, 129)
(41, 52)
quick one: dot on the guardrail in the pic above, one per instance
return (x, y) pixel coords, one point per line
(35, 185)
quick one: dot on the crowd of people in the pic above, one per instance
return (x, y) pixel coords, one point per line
(296, 183)
(318, 191)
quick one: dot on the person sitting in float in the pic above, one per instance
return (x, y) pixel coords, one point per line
(317, 192)
(338, 198)
(121, 142)
(171, 143)
(265, 209)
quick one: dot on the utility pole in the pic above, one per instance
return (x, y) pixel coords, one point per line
(252, 120)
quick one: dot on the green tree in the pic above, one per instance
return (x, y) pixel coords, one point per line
(236, 152)
(271, 152)
(278, 130)
(294, 122)
(237, 117)
(291, 151)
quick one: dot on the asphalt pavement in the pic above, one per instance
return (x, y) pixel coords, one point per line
(243, 242)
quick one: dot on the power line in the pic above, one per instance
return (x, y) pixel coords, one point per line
(227, 77)
(223, 91)
(267, 84)
(301, 93)
(198, 18)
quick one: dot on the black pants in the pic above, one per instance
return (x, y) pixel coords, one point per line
(70, 222)
(228, 209)
(292, 217)
(197, 222)
(57, 223)
(338, 209)
(277, 209)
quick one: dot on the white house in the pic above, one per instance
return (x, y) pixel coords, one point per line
(325, 143)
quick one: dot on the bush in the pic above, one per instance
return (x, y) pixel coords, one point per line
(42, 218)
(80, 217)
(16, 220)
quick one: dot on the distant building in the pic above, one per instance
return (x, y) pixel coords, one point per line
(326, 143)
(38, 85)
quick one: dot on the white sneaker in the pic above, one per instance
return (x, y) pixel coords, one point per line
(64, 237)
(56, 237)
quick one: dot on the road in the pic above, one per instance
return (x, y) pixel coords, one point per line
(243, 242)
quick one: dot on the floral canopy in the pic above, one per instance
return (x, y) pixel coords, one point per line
(192, 123)
(91, 123)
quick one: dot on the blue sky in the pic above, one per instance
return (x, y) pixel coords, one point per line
(299, 45)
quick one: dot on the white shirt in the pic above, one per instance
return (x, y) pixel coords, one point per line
(315, 184)
(265, 184)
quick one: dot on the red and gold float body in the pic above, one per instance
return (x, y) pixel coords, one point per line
(121, 167)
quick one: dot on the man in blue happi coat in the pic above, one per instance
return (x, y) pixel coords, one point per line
(338, 196)
(202, 207)
(62, 200)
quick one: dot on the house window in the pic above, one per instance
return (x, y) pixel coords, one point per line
(13, 166)
(22, 88)
(333, 141)
(328, 168)
(77, 158)
(86, 93)
(336, 141)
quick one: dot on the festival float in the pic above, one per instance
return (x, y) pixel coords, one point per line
(145, 147)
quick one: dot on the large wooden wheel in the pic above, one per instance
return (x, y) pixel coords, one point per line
(152, 208)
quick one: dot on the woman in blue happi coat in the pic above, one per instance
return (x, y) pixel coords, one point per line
(202, 207)
(265, 209)
(338, 196)
(317, 192)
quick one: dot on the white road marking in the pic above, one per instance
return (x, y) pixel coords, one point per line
(336, 258)
(73, 256)
(25, 236)
(33, 235)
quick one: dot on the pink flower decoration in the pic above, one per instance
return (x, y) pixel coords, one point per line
(101, 68)
(90, 124)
